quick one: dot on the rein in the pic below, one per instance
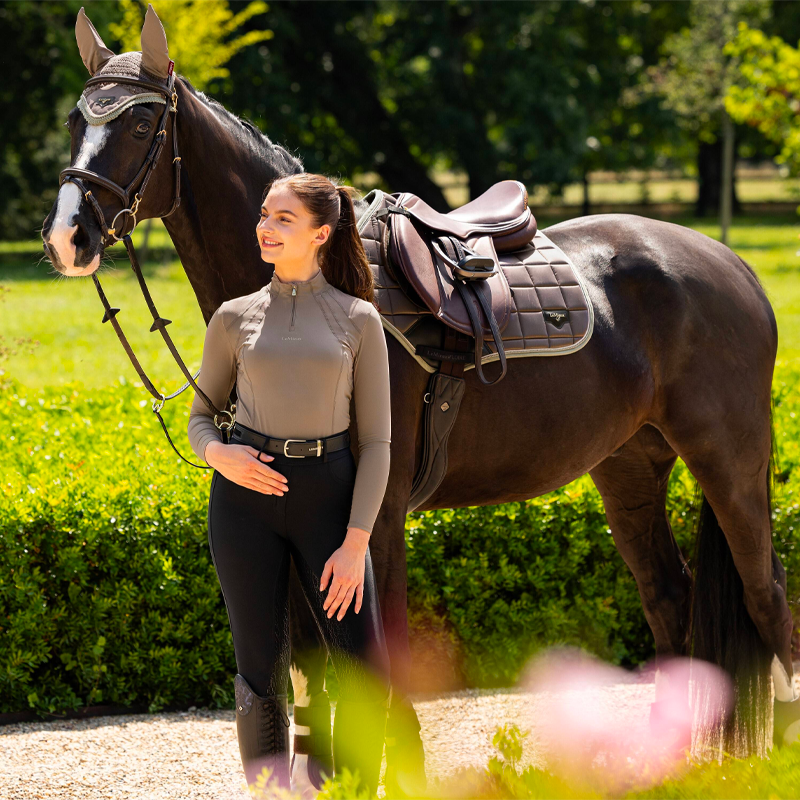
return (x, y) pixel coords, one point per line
(223, 419)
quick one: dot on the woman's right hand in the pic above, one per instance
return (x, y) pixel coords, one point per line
(240, 463)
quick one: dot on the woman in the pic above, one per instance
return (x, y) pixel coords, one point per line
(287, 485)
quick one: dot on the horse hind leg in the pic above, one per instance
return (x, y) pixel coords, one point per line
(741, 619)
(633, 484)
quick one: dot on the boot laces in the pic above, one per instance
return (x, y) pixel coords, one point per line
(273, 716)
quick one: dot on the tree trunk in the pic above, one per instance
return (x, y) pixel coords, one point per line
(709, 180)
(727, 175)
(585, 181)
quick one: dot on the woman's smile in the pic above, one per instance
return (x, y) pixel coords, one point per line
(269, 243)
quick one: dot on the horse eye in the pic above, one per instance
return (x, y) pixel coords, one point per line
(142, 127)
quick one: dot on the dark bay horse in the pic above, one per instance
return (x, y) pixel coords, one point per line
(680, 364)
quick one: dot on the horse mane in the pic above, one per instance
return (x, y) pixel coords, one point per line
(282, 161)
(280, 158)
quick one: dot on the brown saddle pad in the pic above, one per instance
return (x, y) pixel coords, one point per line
(550, 312)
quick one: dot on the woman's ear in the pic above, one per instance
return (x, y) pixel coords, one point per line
(322, 234)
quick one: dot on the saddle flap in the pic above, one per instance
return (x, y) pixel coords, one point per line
(433, 280)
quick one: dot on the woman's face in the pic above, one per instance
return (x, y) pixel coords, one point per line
(285, 231)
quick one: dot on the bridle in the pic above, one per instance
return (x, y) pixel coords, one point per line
(223, 419)
(75, 174)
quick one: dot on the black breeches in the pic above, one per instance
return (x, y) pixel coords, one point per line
(252, 536)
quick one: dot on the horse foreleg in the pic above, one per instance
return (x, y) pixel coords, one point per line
(312, 746)
(405, 755)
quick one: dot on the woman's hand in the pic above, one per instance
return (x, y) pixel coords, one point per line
(346, 567)
(240, 463)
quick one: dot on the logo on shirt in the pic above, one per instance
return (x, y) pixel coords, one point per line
(292, 338)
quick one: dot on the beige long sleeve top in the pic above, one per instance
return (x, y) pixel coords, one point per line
(298, 352)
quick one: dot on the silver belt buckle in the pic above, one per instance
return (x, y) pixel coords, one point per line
(289, 455)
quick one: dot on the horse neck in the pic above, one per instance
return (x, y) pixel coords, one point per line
(222, 180)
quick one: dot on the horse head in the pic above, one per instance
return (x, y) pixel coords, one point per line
(118, 128)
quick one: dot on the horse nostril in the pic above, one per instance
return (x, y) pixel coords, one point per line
(80, 238)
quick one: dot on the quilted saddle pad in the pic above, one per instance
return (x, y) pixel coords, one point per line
(551, 311)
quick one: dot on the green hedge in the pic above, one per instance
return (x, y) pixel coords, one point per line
(108, 594)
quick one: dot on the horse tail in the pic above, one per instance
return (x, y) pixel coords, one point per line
(722, 633)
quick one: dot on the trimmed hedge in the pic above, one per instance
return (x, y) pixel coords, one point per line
(108, 594)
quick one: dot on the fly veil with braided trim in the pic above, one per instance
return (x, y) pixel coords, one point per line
(101, 102)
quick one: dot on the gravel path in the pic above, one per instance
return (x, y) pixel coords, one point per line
(195, 754)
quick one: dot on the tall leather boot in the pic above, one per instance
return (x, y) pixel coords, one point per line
(316, 744)
(262, 727)
(358, 736)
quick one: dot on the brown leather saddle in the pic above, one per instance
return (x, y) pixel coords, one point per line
(530, 299)
(451, 260)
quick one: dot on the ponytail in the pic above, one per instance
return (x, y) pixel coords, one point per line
(343, 258)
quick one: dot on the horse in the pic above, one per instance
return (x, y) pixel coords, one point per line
(679, 364)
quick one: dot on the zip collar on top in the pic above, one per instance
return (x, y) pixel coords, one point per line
(314, 285)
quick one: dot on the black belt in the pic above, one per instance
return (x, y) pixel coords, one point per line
(292, 448)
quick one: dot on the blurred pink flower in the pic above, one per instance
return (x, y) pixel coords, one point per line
(591, 725)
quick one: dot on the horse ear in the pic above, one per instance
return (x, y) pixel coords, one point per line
(93, 52)
(155, 55)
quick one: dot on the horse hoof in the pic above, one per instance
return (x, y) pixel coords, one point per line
(308, 776)
(786, 728)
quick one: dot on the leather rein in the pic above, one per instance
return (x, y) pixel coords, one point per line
(223, 419)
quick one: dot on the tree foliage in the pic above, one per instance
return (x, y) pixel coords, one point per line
(766, 94)
(696, 70)
(198, 33)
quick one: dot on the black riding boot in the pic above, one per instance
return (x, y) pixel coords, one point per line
(358, 736)
(405, 755)
(262, 727)
(316, 716)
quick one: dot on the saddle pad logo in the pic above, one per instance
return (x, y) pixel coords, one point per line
(557, 318)
(105, 101)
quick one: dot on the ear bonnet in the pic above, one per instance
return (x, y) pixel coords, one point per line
(102, 102)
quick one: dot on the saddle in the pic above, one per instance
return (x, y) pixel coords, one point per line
(535, 297)
(451, 260)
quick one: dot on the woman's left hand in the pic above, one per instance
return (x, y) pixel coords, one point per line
(346, 568)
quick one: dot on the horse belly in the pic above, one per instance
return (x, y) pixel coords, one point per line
(549, 421)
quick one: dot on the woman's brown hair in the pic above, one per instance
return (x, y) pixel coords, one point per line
(342, 258)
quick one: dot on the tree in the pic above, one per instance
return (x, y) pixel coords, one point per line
(42, 77)
(766, 94)
(693, 79)
(197, 31)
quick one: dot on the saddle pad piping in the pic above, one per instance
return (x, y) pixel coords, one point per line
(371, 209)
